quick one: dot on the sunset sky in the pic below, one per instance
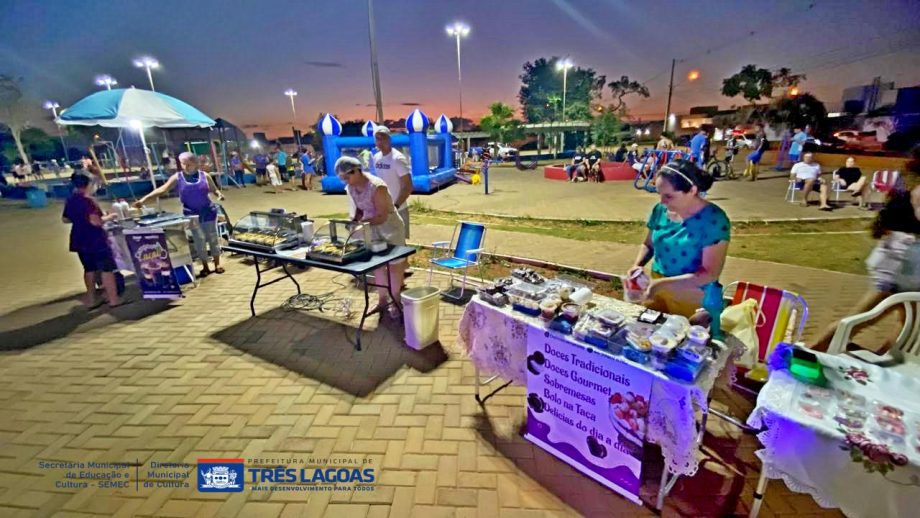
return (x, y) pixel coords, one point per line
(234, 59)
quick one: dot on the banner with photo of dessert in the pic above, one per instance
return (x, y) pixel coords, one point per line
(587, 409)
(150, 256)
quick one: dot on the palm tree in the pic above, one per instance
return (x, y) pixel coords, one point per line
(500, 123)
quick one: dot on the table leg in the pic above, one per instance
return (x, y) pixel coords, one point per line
(367, 304)
(252, 300)
(286, 272)
(390, 290)
(667, 483)
(482, 400)
(759, 492)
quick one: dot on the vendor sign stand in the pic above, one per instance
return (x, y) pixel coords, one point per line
(502, 342)
(134, 247)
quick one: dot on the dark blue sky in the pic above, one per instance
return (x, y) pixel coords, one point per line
(234, 59)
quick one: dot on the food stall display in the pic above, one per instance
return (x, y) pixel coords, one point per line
(603, 376)
(152, 247)
(269, 231)
(340, 242)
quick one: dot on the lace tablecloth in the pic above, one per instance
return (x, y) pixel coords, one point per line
(496, 341)
(812, 454)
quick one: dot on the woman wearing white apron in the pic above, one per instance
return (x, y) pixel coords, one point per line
(374, 206)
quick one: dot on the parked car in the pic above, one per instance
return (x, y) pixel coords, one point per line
(853, 140)
(743, 140)
(502, 151)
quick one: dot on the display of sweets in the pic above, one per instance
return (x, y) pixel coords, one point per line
(528, 275)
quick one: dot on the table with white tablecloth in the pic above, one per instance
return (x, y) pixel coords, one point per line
(496, 341)
(856, 470)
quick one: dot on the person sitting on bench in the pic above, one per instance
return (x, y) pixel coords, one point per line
(594, 164)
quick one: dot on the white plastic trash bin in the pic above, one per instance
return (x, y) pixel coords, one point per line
(420, 314)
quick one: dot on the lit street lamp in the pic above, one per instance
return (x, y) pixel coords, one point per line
(148, 63)
(53, 106)
(291, 93)
(564, 65)
(459, 30)
(106, 80)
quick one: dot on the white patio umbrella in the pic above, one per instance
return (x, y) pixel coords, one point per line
(136, 109)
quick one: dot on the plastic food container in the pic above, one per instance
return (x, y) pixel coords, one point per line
(662, 347)
(698, 335)
(636, 355)
(611, 318)
(570, 311)
(548, 308)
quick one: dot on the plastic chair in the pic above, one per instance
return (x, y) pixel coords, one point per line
(908, 341)
(883, 182)
(467, 246)
(836, 187)
(779, 313)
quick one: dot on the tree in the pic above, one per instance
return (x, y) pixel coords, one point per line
(13, 111)
(39, 144)
(798, 111)
(783, 78)
(623, 87)
(606, 127)
(540, 81)
(751, 82)
(500, 123)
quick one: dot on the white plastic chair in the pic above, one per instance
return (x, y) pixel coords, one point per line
(908, 341)
(836, 187)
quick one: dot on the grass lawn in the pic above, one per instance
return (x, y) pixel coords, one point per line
(840, 245)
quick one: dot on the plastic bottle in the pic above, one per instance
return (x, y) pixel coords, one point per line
(713, 304)
(306, 229)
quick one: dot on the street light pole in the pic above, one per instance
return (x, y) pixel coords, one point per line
(107, 81)
(564, 65)
(291, 93)
(148, 63)
(667, 112)
(53, 106)
(375, 72)
(459, 30)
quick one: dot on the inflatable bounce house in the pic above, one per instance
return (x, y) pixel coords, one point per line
(425, 178)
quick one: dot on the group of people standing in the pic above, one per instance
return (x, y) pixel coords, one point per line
(276, 168)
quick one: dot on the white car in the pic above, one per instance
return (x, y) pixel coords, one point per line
(744, 140)
(502, 151)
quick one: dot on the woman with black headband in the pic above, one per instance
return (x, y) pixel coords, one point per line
(687, 237)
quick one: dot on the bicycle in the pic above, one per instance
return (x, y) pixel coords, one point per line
(722, 169)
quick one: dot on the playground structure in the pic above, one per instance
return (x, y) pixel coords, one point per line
(651, 161)
(425, 179)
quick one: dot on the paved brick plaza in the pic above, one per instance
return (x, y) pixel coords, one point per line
(200, 378)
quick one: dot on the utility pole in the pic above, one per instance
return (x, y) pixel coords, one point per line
(667, 112)
(375, 73)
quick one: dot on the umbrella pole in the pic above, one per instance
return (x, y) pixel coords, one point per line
(153, 180)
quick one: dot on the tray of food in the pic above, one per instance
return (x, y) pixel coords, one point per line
(339, 253)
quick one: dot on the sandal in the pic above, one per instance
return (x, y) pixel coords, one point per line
(826, 209)
(219, 270)
(203, 273)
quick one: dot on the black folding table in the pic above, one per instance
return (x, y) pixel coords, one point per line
(355, 269)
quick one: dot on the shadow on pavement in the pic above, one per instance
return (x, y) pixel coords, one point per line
(323, 349)
(41, 323)
(715, 490)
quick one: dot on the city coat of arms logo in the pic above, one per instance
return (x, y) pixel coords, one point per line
(220, 475)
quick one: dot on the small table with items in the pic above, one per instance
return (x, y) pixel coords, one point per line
(298, 257)
(152, 247)
(597, 387)
(853, 443)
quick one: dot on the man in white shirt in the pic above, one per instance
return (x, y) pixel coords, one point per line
(809, 173)
(393, 168)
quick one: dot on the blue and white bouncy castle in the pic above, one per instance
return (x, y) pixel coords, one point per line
(425, 178)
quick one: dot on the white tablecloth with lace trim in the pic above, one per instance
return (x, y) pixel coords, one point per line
(496, 341)
(855, 472)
